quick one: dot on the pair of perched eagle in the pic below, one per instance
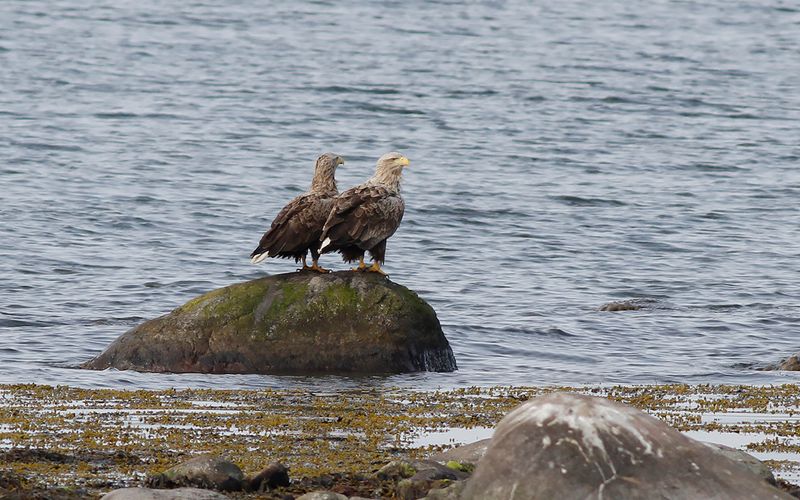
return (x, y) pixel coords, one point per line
(321, 220)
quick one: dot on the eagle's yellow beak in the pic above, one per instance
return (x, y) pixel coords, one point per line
(403, 161)
(340, 160)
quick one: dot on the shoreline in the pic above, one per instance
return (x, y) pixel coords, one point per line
(71, 441)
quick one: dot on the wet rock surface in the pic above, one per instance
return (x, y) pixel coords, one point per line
(302, 322)
(574, 446)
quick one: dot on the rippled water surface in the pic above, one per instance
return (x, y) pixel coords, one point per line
(564, 155)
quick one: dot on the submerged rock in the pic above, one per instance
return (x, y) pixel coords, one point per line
(203, 472)
(342, 322)
(628, 305)
(620, 306)
(569, 446)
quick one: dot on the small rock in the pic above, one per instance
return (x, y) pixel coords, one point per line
(396, 470)
(465, 467)
(322, 495)
(412, 489)
(176, 494)
(10, 480)
(203, 472)
(749, 461)
(419, 470)
(570, 446)
(791, 489)
(468, 453)
(452, 492)
(430, 470)
(792, 364)
(273, 476)
(424, 476)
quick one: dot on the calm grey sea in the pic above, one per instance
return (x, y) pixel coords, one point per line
(564, 155)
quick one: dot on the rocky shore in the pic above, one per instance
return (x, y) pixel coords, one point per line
(73, 443)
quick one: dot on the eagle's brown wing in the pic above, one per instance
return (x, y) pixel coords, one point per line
(296, 228)
(362, 216)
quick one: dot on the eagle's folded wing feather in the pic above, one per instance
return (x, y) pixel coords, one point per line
(295, 227)
(363, 216)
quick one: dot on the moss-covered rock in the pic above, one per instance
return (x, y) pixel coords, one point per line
(341, 322)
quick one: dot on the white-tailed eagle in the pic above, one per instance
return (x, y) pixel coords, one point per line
(365, 216)
(298, 226)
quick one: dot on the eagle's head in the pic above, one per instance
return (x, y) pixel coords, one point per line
(325, 172)
(327, 163)
(389, 170)
(392, 161)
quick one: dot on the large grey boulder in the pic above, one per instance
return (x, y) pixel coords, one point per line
(176, 494)
(205, 471)
(300, 322)
(570, 446)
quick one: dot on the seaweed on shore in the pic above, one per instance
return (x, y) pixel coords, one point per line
(79, 440)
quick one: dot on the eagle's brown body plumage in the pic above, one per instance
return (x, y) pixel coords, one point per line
(297, 228)
(365, 216)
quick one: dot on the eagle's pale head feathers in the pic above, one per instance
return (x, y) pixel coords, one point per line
(389, 170)
(325, 173)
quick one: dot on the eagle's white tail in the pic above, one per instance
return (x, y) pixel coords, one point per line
(324, 244)
(255, 259)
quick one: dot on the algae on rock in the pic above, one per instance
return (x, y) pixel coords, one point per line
(341, 322)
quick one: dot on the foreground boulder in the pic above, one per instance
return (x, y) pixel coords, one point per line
(569, 446)
(176, 494)
(304, 322)
(205, 471)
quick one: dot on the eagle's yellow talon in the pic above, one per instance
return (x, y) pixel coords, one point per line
(305, 266)
(362, 266)
(316, 267)
(376, 268)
